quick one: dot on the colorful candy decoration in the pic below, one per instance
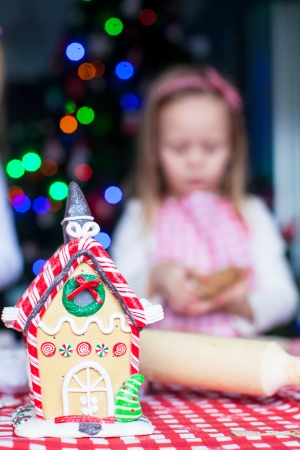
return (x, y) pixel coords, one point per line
(48, 348)
(119, 349)
(101, 350)
(66, 350)
(127, 405)
(84, 349)
(22, 411)
(20, 420)
(93, 290)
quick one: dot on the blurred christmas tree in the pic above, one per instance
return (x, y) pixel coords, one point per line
(80, 123)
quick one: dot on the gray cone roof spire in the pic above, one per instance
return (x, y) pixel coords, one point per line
(76, 205)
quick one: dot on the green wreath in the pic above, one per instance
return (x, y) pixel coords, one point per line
(82, 311)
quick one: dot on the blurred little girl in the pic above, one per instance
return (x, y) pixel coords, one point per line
(191, 217)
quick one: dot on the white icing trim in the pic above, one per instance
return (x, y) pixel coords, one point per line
(153, 313)
(88, 229)
(79, 331)
(88, 388)
(66, 219)
(10, 315)
(37, 428)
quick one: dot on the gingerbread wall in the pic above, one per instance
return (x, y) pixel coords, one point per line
(54, 368)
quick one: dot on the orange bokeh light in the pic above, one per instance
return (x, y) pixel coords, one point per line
(68, 124)
(13, 191)
(49, 167)
(55, 205)
(83, 172)
(86, 71)
(99, 67)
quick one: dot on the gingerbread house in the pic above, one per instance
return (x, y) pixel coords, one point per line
(81, 322)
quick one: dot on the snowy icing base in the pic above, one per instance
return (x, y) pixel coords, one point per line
(27, 425)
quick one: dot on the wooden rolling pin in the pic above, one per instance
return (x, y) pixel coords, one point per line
(228, 364)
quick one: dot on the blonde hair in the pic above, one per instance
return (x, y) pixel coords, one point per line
(148, 182)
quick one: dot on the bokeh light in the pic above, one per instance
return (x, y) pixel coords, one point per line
(113, 195)
(99, 67)
(103, 239)
(58, 190)
(49, 167)
(21, 203)
(41, 205)
(31, 161)
(15, 168)
(113, 26)
(75, 51)
(86, 71)
(83, 172)
(70, 106)
(102, 124)
(85, 115)
(37, 266)
(13, 191)
(68, 124)
(147, 17)
(124, 70)
(129, 102)
(55, 205)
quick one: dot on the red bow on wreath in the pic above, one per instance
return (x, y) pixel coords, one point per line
(85, 284)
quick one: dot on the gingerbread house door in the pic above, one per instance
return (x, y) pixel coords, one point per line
(87, 390)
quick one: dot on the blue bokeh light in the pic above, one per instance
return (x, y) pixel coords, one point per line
(37, 266)
(124, 70)
(103, 239)
(41, 205)
(113, 195)
(21, 203)
(129, 102)
(75, 51)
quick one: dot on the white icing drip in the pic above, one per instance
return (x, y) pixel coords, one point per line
(153, 313)
(79, 331)
(88, 229)
(66, 219)
(9, 316)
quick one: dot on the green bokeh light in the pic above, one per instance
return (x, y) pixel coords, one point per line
(113, 26)
(102, 124)
(85, 115)
(15, 168)
(70, 106)
(31, 161)
(58, 190)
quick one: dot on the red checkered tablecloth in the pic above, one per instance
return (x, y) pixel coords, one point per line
(191, 419)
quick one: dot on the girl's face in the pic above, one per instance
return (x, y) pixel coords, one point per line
(194, 143)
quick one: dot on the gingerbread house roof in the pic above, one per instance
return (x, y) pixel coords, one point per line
(36, 299)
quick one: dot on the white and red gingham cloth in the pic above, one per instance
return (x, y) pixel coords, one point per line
(203, 231)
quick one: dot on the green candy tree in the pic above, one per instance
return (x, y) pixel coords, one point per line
(127, 404)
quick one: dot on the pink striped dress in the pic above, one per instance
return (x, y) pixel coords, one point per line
(201, 230)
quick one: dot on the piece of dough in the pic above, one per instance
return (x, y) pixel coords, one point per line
(214, 284)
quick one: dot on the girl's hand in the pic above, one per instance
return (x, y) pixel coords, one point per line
(175, 282)
(233, 300)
